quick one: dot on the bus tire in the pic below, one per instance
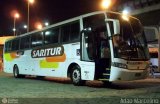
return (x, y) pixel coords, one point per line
(76, 76)
(40, 77)
(16, 72)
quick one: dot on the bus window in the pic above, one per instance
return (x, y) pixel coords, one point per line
(70, 32)
(75, 30)
(15, 45)
(37, 39)
(65, 33)
(94, 22)
(51, 36)
(8, 46)
(25, 42)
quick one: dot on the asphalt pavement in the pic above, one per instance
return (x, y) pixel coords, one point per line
(30, 90)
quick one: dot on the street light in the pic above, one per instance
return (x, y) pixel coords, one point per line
(46, 23)
(125, 15)
(106, 4)
(39, 26)
(29, 2)
(16, 16)
(25, 26)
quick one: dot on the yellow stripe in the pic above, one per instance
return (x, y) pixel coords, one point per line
(45, 64)
(8, 57)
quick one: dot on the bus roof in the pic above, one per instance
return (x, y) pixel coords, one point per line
(69, 20)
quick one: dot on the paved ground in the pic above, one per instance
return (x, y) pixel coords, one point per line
(57, 90)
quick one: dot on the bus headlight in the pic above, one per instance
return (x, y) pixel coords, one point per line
(120, 65)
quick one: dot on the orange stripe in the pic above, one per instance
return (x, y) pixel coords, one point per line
(13, 55)
(56, 58)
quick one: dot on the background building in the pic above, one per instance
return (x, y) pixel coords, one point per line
(2, 40)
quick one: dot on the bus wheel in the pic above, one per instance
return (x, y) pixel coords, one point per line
(76, 76)
(16, 72)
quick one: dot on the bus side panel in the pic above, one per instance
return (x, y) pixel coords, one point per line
(87, 70)
(52, 69)
(25, 63)
(8, 63)
(8, 67)
(72, 52)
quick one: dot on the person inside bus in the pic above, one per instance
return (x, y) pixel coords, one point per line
(117, 40)
(104, 46)
(119, 44)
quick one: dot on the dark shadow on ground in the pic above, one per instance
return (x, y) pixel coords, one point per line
(146, 83)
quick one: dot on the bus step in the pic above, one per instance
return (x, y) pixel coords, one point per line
(107, 71)
(106, 74)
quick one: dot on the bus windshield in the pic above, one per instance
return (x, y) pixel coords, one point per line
(130, 43)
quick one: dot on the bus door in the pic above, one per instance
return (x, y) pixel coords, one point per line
(96, 45)
(104, 50)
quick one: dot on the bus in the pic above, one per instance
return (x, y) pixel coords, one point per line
(153, 51)
(152, 36)
(100, 46)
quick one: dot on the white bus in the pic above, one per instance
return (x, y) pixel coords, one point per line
(153, 51)
(95, 46)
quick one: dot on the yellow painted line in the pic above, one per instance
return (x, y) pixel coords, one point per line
(107, 69)
(104, 79)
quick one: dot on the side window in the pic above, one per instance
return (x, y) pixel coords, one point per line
(8, 46)
(75, 31)
(70, 31)
(51, 36)
(25, 42)
(94, 22)
(37, 39)
(65, 31)
(15, 45)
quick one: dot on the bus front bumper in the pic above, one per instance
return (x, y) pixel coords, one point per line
(119, 74)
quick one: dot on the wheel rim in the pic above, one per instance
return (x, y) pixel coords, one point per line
(15, 72)
(76, 76)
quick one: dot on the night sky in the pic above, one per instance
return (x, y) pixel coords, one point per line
(42, 10)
